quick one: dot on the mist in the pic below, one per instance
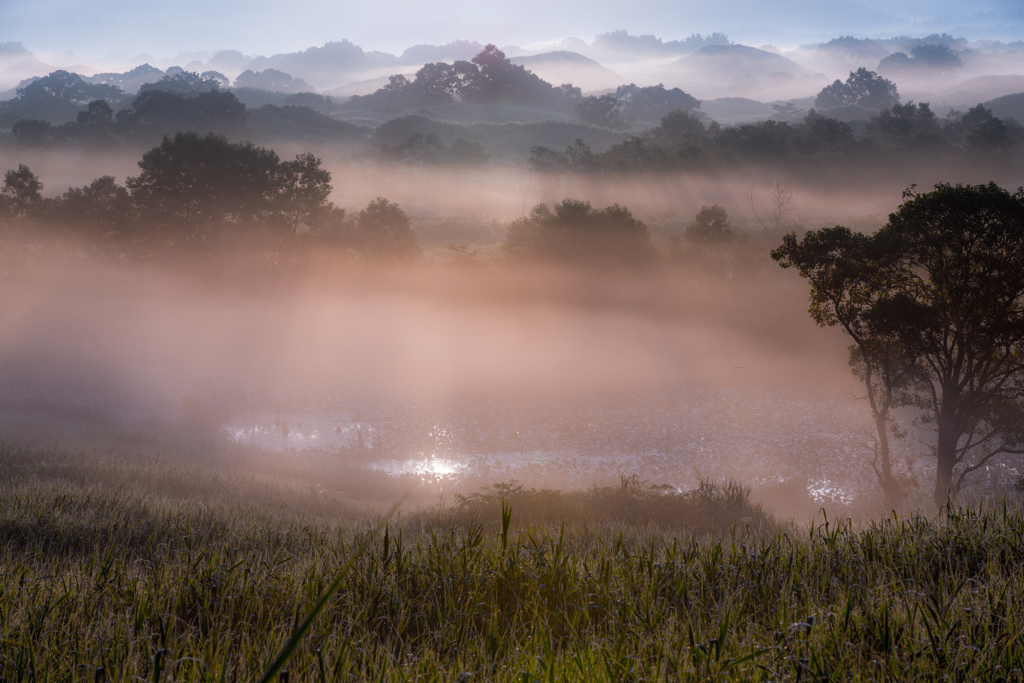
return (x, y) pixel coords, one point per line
(366, 251)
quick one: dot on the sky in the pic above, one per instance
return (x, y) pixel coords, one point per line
(104, 28)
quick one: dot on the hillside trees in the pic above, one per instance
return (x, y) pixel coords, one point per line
(58, 97)
(934, 302)
(490, 78)
(863, 92)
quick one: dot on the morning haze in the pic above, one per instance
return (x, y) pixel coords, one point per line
(569, 341)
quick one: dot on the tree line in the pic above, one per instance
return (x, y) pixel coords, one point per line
(203, 189)
(103, 116)
(904, 133)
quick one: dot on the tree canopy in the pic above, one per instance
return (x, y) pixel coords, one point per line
(58, 97)
(196, 185)
(490, 78)
(934, 302)
(864, 91)
(577, 233)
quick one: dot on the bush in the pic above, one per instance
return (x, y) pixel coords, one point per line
(576, 233)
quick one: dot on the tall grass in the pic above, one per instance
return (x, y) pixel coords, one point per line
(121, 579)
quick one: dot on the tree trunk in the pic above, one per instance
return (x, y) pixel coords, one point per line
(946, 452)
(884, 471)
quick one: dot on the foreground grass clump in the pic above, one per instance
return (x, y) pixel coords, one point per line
(711, 508)
(108, 580)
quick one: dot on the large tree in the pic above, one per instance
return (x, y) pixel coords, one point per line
(864, 89)
(934, 302)
(196, 185)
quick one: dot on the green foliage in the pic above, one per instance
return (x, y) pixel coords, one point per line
(576, 233)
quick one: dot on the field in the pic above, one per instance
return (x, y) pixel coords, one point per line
(133, 557)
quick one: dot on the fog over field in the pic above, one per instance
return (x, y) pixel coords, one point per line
(539, 252)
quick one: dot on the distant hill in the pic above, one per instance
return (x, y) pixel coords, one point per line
(736, 110)
(452, 52)
(1008, 107)
(983, 88)
(362, 87)
(328, 66)
(739, 60)
(562, 66)
(742, 71)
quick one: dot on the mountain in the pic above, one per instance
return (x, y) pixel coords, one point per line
(975, 90)
(328, 66)
(562, 66)
(742, 71)
(452, 52)
(739, 59)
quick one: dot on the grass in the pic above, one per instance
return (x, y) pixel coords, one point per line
(119, 571)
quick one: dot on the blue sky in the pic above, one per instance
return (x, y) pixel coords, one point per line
(98, 28)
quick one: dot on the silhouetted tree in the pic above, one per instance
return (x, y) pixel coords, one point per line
(183, 83)
(22, 194)
(856, 284)
(653, 102)
(382, 234)
(100, 207)
(577, 233)
(58, 97)
(271, 79)
(35, 133)
(98, 112)
(196, 186)
(863, 91)
(906, 126)
(937, 58)
(604, 111)
(710, 226)
(942, 284)
(157, 112)
(679, 128)
(991, 135)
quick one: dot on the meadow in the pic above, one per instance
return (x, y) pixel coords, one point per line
(142, 557)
